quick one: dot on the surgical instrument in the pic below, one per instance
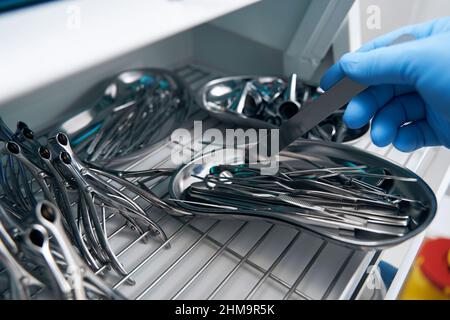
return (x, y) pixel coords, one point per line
(81, 279)
(63, 178)
(40, 257)
(290, 106)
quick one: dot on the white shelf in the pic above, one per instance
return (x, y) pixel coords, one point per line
(432, 164)
(44, 44)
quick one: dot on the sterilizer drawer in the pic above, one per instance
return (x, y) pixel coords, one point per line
(232, 259)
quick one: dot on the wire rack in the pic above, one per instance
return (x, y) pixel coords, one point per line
(211, 259)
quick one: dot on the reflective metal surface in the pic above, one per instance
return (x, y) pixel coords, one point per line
(128, 114)
(321, 154)
(252, 101)
(212, 259)
(42, 258)
(334, 129)
(267, 103)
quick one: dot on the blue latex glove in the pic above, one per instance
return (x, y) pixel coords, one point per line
(409, 97)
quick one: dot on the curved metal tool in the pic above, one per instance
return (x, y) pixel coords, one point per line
(76, 271)
(37, 241)
(21, 281)
(114, 197)
(62, 199)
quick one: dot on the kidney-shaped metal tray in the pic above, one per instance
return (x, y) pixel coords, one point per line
(320, 153)
(130, 92)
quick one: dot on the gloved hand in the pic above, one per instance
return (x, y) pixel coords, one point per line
(409, 94)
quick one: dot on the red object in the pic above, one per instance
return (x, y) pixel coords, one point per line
(435, 256)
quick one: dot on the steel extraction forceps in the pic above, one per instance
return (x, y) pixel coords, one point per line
(40, 175)
(62, 198)
(21, 281)
(88, 192)
(36, 242)
(14, 177)
(115, 197)
(81, 279)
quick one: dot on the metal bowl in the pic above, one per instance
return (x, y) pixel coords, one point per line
(226, 86)
(321, 153)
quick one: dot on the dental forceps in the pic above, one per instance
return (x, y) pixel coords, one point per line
(113, 196)
(13, 175)
(62, 198)
(91, 188)
(87, 192)
(76, 272)
(40, 175)
(21, 281)
(36, 241)
(145, 193)
(61, 142)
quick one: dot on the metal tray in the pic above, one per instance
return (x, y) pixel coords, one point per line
(115, 94)
(229, 117)
(317, 152)
(225, 115)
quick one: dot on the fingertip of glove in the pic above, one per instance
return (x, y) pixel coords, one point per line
(350, 121)
(405, 142)
(406, 148)
(355, 117)
(333, 75)
(382, 136)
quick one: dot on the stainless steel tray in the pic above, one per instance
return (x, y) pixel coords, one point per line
(332, 128)
(319, 152)
(121, 93)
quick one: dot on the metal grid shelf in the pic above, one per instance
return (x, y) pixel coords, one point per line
(210, 259)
